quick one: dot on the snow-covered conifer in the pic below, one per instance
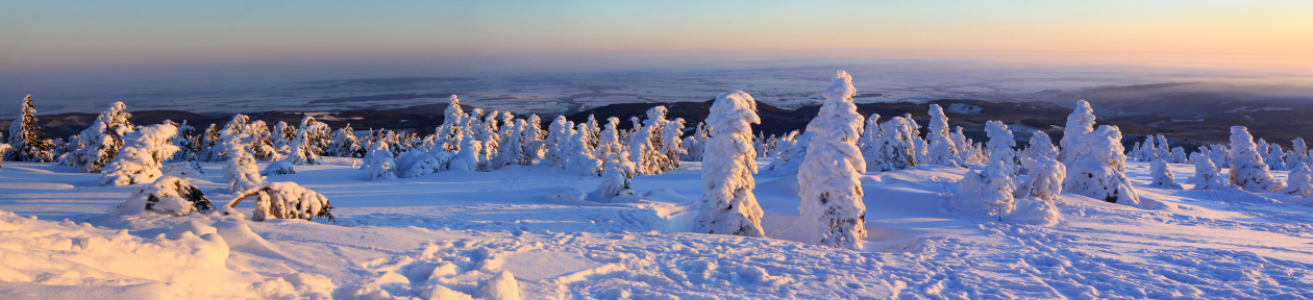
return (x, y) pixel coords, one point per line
(185, 140)
(987, 192)
(1097, 168)
(467, 158)
(240, 171)
(728, 204)
(609, 141)
(672, 142)
(1000, 146)
(143, 154)
(1248, 171)
(4, 150)
(894, 148)
(942, 151)
(211, 146)
(306, 145)
(616, 176)
(1206, 175)
(1162, 175)
(1164, 149)
(789, 152)
(870, 138)
(1274, 158)
(27, 139)
(695, 145)
(102, 141)
(282, 135)
(454, 114)
(1040, 146)
(381, 163)
(1299, 155)
(1079, 123)
(582, 160)
(1043, 179)
(1178, 156)
(168, 196)
(832, 211)
(558, 137)
(644, 154)
(1300, 180)
(345, 144)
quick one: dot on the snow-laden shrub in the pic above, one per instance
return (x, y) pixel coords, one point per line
(832, 211)
(1043, 179)
(941, 149)
(1206, 175)
(168, 196)
(142, 156)
(1036, 212)
(380, 163)
(1162, 175)
(283, 200)
(1300, 181)
(102, 141)
(1097, 168)
(420, 163)
(728, 204)
(985, 192)
(894, 148)
(1079, 123)
(281, 167)
(1248, 171)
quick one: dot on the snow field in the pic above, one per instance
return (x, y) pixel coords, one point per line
(524, 231)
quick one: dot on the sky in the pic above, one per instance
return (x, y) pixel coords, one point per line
(55, 35)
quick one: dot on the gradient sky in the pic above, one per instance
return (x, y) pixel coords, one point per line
(63, 35)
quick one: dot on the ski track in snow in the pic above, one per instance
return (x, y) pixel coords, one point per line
(407, 237)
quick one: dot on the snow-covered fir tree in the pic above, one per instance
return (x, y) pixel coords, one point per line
(672, 142)
(185, 140)
(941, 149)
(1248, 170)
(644, 153)
(1164, 149)
(558, 138)
(987, 192)
(1300, 181)
(1001, 142)
(467, 158)
(240, 171)
(581, 159)
(1178, 156)
(102, 141)
(1162, 175)
(1040, 146)
(380, 162)
(261, 141)
(1097, 168)
(695, 145)
(789, 153)
(143, 154)
(894, 148)
(832, 211)
(306, 145)
(1275, 158)
(728, 204)
(1206, 175)
(28, 141)
(211, 147)
(617, 175)
(870, 138)
(1300, 154)
(1079, 123)
(345, 144)
(282, 136)
(1044, 177)
(609, 141)
(4, 150)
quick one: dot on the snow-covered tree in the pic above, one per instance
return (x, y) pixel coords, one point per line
(283, 200)
(1079, 123)
(1162, 175)
(1274, 158)
(616, 177)
(609, 142)
(168, 196)
(1206, 175)
(282, 136)
(672, 142)
(987, 192)
(467, 158)
(894, 147)
(185, 140)
(27, 139)
(454, 114)
(1248, 171)
(789, 153)
(942, 151)
(728, 205)
(261, 140)
(832, 211)
(1300, 153)
(4, 150)
(644, 153)
(1043, 179)
(695, 145)
(381, 163)
(211, 147)
(870, 138)
(102, 141)
(1040, 146)
(558, 138)
(306, 145)
(143, 154)
(1178, 156)
(1000, 146)
(240, 171)
(582, 160)
(1097, 168)
(345, 144)
(1300, 181)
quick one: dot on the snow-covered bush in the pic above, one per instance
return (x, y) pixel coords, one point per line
(1162, 175)
(1043, 179)
(1178, 156)
(281, 167)
(283, 200)
(102, 141)
(1036, 212)
(894, 147)
(1206, 175)
(418, 163)
(1248, 171)
(832, 211)
(26, 138)
(185, 169)
(1300, 181)
(941, 149)
(143, 154)
(169, 196)
(1097, 168)
(1079, 123)
(380, 163)
(728, 204)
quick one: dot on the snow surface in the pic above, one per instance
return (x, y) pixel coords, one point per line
(510, 233)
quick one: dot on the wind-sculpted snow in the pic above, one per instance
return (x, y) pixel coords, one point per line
(528, 231)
